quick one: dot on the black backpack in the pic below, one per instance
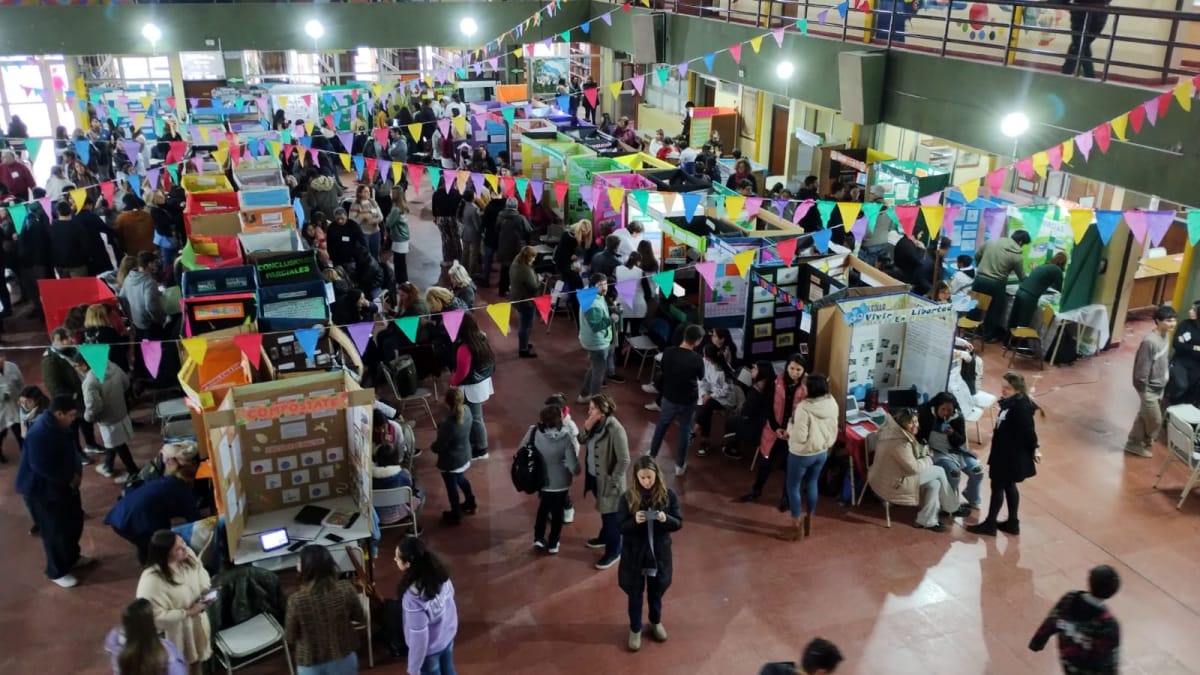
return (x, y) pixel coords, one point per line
(528, 467)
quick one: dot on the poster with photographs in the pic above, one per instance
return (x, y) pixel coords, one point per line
(875, 348)
(774, 329)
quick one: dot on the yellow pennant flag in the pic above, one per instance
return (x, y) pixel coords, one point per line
(492, 181)
(849, 211)
(345, 160)
(1118, 125)
(220, 154)
(414, 130)
(500, 312)
(139, 121)
(275, 147)
(78, 195)
(1068, 150)
(615, 88)
(196, 348)
(377, 89)
(756, 43)
(517, 52)
(309, 126)
(734, 206)
(970, 190)
(646, 2)
(1183, 93)
(743, 261)
(934, 215)
(1040, 161)
(282, 101)
(145, 101)
(1081, 220)
(460, 125)
(204, 134)
(616, 197)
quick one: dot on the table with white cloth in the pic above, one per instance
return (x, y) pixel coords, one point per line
(1092, 321)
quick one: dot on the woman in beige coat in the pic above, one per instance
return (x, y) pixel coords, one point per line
(811, 432)
(904, 474)
(175, 582)
(607, 462)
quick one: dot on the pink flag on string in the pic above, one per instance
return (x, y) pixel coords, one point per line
(45, 202)
(995, 181)
(585, 191)
(683, 69)
(452, 320)
(477, 180)
(312, 155)
(778, 35)
(198, 162)
(384, 166)
(802, 210)
(1054, 154)
(736, 52)
(1151, 108)
(1136, 221)
(994, 220)
(638, 82)
(449, 179)
(152, 355)
(1157, 224)
(1025, 167)
(494, 62)
(907, 214)
(560, 191)
(444, 127)
(931, 200)
(951, 214)
(1103, 136)
(786, 249)
(708, 271)
(1084, 143)
(360, 333)
(753, 205)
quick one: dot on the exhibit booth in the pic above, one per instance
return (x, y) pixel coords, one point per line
(547, 159)
(534, 129)
(709, 119)
(905, 181)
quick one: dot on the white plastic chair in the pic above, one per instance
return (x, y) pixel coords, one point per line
(401, 496)
(984, 403)
(644, 347)
(1181, 447)
(249, 642)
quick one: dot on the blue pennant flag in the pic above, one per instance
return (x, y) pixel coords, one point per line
(1106, 224)
(307, 337)
(299, 209)
(821, 239)
(691, 201)
(708, 61)
(586, 297)
(83, 148)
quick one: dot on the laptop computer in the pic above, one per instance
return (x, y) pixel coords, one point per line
(273, 540)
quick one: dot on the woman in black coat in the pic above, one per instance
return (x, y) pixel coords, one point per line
(648, 514)
(1014, 455)
(1184, 380)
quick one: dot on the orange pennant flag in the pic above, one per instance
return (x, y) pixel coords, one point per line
(501, 313)
(668, 201)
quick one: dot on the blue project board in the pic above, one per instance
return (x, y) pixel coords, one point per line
(292, 306)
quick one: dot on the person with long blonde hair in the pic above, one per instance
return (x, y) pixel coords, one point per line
(1014, 455)
(649, 513)
(453, 448)
(127, 265)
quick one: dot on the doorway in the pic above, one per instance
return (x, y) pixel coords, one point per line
(777, 160)
(708, 93)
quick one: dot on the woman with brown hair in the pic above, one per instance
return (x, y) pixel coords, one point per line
(98, 329)
(137, 648)
(397, 229)
(474, 363)
(741, 172)
(320, 615)
(177, 585)
(366, 213)
(649, 513)
(1014, 456)
(523, 287)
(453, 448)
(606, 460)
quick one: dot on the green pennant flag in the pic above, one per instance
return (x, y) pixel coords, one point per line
(1031, 218)
(18, 213)
(1193, 225)
(665, 281)
(642, 199)
(719, 204)
(240, 102)
(408, 326)
(158, 127)
(825, 207)
(802, 24)
(435, 177)
(286, 136)
(663, 74)
(33, 145)
(96, 356)
(509, 113)
(461, 73)
(188, 256)
(522, 186)
(173, 169)
(871, 211)
(565, 35)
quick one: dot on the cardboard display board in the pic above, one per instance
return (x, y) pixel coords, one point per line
(292, 306)
(60, 295)
(288, 443)
(214, 223)
(724, 305)
(284, 357)
(212, 251)
(776, 327)
(286, 267)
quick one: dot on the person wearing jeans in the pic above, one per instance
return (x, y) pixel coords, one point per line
(596, 334)
(523, 288)
(680, 373)
(428, 613)
(474, 364)
(904, 473)
(559, 450)
(106, 409)
(607, 461)
(812, 430)
(943, 429)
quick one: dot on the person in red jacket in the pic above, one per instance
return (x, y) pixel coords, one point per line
(16, 176)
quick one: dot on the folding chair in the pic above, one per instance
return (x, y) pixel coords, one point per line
(644, 347)
(401, 496)
(421, 396)
(250, 642)
(969, 328)
(1181, 446)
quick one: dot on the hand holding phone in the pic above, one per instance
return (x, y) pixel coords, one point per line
(210, 596)
(651, 515)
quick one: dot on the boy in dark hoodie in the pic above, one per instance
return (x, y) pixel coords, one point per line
(1089, 636)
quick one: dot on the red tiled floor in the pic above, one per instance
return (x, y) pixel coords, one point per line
(897, 601)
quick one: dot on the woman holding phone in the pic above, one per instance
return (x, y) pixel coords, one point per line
(178, 587)
(649, 513)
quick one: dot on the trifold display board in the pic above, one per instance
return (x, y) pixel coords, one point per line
(218, 298)
(288, 443)
(887, 341)
(776, 326)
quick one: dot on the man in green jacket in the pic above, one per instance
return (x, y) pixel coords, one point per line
(995, 260)
(597, 336)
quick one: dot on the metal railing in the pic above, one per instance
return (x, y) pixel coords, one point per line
(1137, 46)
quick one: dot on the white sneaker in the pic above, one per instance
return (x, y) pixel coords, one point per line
(539, 545)
(649, 388)
(66, 581)
(552, 550)
(83, 561)
(122, 479)
(104, 471)
(652, 407)
(93, 450)
(679, 470)
(568, 516)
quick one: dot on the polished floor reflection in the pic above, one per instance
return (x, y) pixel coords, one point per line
(897, 600)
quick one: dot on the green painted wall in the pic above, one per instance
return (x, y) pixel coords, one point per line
(116, 29)
(958, 100)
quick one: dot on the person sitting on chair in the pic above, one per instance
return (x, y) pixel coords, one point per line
(944, 429)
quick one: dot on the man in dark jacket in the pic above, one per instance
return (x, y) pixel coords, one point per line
(61, 379)
(152, 507)
(70, 252)
(33, 257)
(1089, 637)
(49, 478)
(342, 237)
(820, 657)
(607, 261)
(488, 224)
(513, 231)
(100, 236)
(1086, 25)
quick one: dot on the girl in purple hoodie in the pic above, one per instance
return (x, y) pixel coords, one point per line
(137, 648)
(430, 615)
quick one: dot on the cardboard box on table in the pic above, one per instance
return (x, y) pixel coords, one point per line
(222, 221)
(218, 298)
(283, 357)
(213, 251)
(267, 219)
(288, 443)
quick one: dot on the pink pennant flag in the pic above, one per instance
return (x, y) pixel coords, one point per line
(449, 180)
(1103, 136)
(1025, 167)
(385, 167)
(932, 199)
(951, 215)
(415, 171)
(995, 181)
(1151, 108)
(778, 35)
(994, 221)
(198, 162)
(452, 320)
(585, 191)
(45, 202)
(313, 157)
(802, 210)
(1157, 224)
(1137, 224)
(493, 62)
(477, 180)
(444, 127)
(638, 82)
(736, 52)
(480, 121)
(360, 333)
(787, 249)
(560, 191)
(753, 205)
(1084, 143)
(708, 271)
(1054, 154)
(152, 356)
(683, 69)
(908, 217)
